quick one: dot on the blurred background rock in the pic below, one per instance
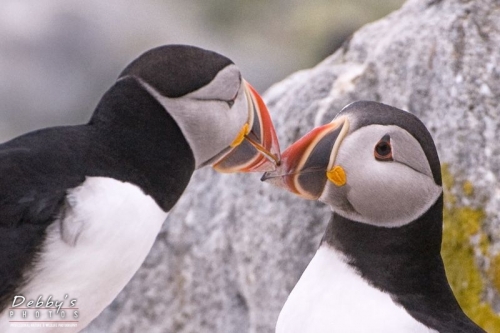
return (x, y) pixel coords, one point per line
(57, 57)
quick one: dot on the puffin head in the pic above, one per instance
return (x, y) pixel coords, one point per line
(223, 118)
(373, 164)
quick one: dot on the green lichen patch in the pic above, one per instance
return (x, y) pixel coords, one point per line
(460, 224)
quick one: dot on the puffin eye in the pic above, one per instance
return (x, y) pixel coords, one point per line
(383, 149)
(231, 101)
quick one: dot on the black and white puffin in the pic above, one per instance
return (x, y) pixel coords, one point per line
(378, 267)
(80, 206)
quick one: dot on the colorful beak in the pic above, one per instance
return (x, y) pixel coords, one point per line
(256, 147)
(306, 164)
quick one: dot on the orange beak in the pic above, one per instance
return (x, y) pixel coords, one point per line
(256, 148)
(304, 165)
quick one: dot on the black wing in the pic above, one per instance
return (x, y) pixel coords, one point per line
(35, 171)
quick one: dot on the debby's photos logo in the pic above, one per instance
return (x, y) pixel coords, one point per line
(43, 312)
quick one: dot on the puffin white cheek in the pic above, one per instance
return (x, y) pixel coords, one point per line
(240, 109)
(209, 126)
(392, 197)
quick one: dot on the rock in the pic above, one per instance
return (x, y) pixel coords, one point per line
(234, 247)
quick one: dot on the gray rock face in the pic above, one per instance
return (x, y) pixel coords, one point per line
(234, 247)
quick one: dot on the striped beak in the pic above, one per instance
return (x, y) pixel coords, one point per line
(308, 163)
(256, 148)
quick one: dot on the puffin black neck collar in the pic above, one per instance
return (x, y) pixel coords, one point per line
(404, 262)
(135, 139)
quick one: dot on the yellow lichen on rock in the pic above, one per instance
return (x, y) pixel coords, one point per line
(495, 271)
(460, 224)
(468, 188)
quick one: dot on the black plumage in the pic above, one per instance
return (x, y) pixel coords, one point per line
(177, 79)
(404, 262)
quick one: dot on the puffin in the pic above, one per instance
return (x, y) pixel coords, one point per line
(378, 267)
(81, 206)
